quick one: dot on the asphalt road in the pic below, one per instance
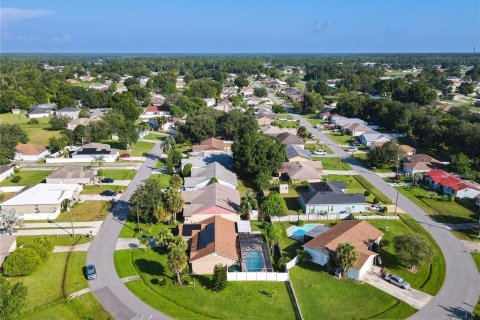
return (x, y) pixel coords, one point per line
(108, 288)
(461, 289)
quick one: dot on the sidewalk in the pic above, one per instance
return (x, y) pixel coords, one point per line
(58, 228)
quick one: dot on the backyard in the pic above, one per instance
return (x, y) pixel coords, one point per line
(37, 133)
(27, 178)
(50, 285)
(86, 211)
(291, 198)
(322, 296)
(137, 149)
(259, 300)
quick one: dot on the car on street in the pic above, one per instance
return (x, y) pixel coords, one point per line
(320, 126)
(108, 193)
(352, 149)
(397, 280)
(320, 153)
(90, 272)
(107, 180)
(124, 156)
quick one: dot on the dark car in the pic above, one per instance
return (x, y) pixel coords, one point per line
(90, 272)
(107, 180)
(396, 280)
(108, 193)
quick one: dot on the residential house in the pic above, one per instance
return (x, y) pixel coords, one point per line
(6, 172)
(201, 177)
(30, 152)
(356, 129)
(210, 102)
(157, 99)
(477, 200)
(228, 92)
(211, 241)
(372, 136)
(342, 121)
(180, 83)
(331, 197)
(310, 171)
(80, 122)
(265, 119)
(224, 106)
(214, 199)
(296, 154)
(362, 235)
(247, 91)
(71, 113)
(100, 86)
(71, 174)
(254, 101)
(448, 184)
(420, 163)
(288, 138)
(212, 144)
(142, 80)
(42, 110)
(93, 151)
(407, 150)
(202, 159)
(98, 112)
(8, 244)
(274, 131)
(42, 201)
(155, 111)
(454, 96)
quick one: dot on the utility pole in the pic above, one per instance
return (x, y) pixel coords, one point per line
(396, 202)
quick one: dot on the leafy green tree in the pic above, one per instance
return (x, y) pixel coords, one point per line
(12, 99)
(419, 92)
(274, 205)
(187, 169)
(21, 262)
(168, 144)
(177, 262)
(57, 143)
(202, 124)
(176, 181)
(466, 88)
(274, 236)
(262, 180)
(413, 250)
(346, 255)
(204, 88)
(146, 200)
(461, 163)
(248, 204)
(278, 108)
(241, 82)
(163, 83)
(302, 132)
(164, 237)
(12, 299)
(386, 155)
(303, 256)
(312, 103)
(260, 92)
(235, 124)
(219, 278)
(291, 80)
(173, 202)
(59, 123)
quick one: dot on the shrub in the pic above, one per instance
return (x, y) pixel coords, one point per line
(44, 241)
(42, 252)
(21, 262)
(300, 223)
(187, 170)
(376, 201)
(16, 179)
(367, 193)
(16, 170)
(219, 278)
(33, 121)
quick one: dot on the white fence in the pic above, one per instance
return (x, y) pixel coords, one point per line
(11, 189)
(311, 217)
(257, 276)
(292, 263)
(377, 217)
(74, 160)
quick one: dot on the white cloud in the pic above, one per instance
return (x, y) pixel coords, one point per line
(9, 15)
(320, 25)
(63, 38)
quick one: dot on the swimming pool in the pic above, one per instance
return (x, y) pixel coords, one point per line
(254, 261)
(297, 233)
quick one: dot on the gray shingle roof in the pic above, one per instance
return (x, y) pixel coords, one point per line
(199, 175)
(330, 193)
(295, 151)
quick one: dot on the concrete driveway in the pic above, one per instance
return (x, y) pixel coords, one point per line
(413, 297)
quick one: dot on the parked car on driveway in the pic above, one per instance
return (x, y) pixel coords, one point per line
(397, 280)
(108, 193)
(377, 208)
(107, 180)
(90, 272)
(320, 153)
(352, 149)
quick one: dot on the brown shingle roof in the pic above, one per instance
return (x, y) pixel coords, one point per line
(212, 195)
(210, 144)
(357, 232)
(288, 138)
(30, 149)
(218, 235)
(302, 170)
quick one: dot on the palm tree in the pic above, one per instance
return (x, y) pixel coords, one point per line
(273, 235)
(417, 176)
(161, 121)
(168, 144)
(173, 202)
(164, 237)
(248, 204)
(177, 262)
(162, 214)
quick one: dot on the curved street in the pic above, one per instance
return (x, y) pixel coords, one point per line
(108, 288)
(461, 289)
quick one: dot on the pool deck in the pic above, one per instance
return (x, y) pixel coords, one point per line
(291, 230)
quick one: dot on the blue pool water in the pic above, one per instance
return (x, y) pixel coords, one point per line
(254, 261)
(298, 232)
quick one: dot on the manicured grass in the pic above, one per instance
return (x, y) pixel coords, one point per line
(200, 301)
(291, 198)
(377, 193)
(37, 133)
(122, 174)
(476, 258)
(314, 122)
(163, 178)
(284, 115)
(49, 286)
(27, 178)
(285, 124)
(428, 278)
(57, 240)
(321, 296)
(462, 211)
(4, 196)
(98, 189)
(333, 163)
(140, 148)
(341, 139)
(155, 136)
(353, 186)
(86, 211)
(318, 146)
(130, 227)
(124, 264)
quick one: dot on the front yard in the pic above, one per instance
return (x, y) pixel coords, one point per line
(196, 300)
(163, 178)
(341, 139)
(122, 174)
(97, 189)
(27, 178)
(86, 211)
(333, 163)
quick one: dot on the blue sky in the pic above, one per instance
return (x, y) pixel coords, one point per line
(242, 26)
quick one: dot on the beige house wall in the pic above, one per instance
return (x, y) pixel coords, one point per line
(206, 264)
(199, 217)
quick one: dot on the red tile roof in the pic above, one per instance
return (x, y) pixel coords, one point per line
(449, 180)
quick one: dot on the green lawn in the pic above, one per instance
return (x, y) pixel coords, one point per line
(57, 240)
(333, 163)
(285, 124)
(476, 258)
(314, 122)
(122, 174)
(27, 178)
(86, 211)
(98, 189)
(37, 133)
(318, 146)
(377, 193)
(428, 278)
(163, 178)
(291, 198)
(199, 301)
(138, 149)
(156, 136)
(244, 186)
(462, 211)
(129, 228)
(321, 296)
(52, 283)
(353, 185)
(341, 139)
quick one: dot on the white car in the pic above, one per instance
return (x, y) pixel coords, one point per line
(352, 149)
(320, 153)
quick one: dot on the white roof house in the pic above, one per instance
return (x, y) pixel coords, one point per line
(42, 201)
(341, 121)
(210, 102)
(372, 136)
